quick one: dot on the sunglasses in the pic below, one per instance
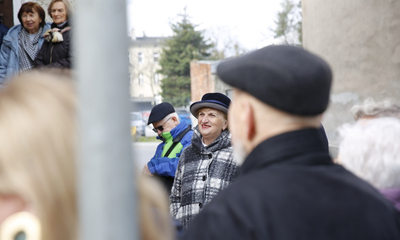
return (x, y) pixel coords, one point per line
(161, 128)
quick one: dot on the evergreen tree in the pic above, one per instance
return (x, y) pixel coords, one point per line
(185, 45)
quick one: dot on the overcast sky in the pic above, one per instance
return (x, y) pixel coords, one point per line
(248, 22)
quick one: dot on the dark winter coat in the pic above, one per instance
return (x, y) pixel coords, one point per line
(202, 172)
(288, 188)
(56, 54)
(3, 32)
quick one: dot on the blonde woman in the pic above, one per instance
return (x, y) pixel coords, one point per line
(37, 162)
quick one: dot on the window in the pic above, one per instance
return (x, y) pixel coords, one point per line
(156, 79)
(156, 56)
(140, 79)
(140, 57)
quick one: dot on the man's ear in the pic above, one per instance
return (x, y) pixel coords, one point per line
(175, 119)
(250, 122)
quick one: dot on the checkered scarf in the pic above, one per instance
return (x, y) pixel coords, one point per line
(202, 172)
(28, 49)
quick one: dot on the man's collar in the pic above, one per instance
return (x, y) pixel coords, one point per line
(285, 147)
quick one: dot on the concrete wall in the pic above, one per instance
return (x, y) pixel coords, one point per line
(360, 39)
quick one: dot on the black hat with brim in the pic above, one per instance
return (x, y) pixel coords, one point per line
(211, 100)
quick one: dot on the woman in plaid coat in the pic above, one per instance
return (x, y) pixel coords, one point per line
(207, 165)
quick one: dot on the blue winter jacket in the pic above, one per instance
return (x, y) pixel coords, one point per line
(9, 55)
(165, 166)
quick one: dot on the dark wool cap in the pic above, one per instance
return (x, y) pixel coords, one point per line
(285, 77)
(211, 100)
(159, 112)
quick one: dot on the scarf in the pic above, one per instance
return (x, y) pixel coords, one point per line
(28, 49)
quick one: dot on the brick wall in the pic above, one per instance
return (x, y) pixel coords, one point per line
(201, 80)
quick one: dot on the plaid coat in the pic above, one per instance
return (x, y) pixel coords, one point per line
(202, 172)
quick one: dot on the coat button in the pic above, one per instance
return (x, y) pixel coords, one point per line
(200, 205)
(209, 155)
(204, 178)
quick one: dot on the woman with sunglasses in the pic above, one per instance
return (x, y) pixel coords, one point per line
(207, 165)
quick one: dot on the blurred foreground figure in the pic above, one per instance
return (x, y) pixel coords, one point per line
(288, 187)
(371, 150)
(37, 164)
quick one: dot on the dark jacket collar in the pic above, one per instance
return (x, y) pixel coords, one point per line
(304, 146)
(53, 25)
(176, 130)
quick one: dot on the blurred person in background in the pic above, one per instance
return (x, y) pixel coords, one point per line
(56, 51)
(288, 186)
(3, 31)
(175, 137)
(23, 41)
(371, 150)
(37, 162)
(206, 166)
(371, 109)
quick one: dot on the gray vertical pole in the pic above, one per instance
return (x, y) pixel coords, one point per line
(107, 197)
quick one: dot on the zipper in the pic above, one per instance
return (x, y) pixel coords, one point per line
(51, 53)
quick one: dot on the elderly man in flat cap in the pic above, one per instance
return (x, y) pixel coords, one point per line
(175, 137)
(288, 187)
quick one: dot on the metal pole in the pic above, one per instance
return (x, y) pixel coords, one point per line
(107, 196)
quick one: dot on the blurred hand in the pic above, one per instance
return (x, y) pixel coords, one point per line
(146, 171)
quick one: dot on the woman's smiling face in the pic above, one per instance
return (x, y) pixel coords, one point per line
(211, 123)
(31, 21)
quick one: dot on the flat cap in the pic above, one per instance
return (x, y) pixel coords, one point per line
(211, 100)
(160, 111)
(285, 77)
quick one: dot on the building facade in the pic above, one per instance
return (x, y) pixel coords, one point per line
(145, 82)
(204, 79)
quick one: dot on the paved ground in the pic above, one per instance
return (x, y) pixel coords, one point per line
(143, 152)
